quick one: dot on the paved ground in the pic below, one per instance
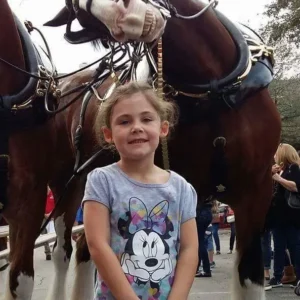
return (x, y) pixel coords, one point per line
(215, 288)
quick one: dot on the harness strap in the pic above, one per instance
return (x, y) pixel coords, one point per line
(78, 134)
(219, 165)
(89, 6)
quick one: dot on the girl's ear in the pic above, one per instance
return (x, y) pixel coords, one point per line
(107, 134)
(164, 129)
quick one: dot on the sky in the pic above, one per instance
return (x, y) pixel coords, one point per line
(68, 57)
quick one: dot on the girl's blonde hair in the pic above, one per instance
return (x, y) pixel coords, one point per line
(286, 155)
(166, 110)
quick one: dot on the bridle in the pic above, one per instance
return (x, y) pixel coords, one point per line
(172, 11)
(166, 8)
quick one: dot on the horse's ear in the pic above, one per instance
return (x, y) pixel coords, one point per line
(60, 19)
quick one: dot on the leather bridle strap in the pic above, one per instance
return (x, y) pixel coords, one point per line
(75, 4)
(89, 6)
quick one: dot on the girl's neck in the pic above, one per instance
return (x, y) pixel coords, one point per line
(140, 169)
(143, 171)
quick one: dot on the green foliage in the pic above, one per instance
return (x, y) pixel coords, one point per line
(286, 94)
(284, 21)
(282, 31)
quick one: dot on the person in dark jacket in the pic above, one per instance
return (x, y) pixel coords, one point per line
(203, 219)
(284, 220)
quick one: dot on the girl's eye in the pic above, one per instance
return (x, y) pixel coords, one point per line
(147, 120)
(123, 122)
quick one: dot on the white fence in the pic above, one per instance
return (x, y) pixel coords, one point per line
(40, 241)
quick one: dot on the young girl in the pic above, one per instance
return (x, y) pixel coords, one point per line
(139, 219)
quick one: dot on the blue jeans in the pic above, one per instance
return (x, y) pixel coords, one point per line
(232, 236)
(286, 238)
(215, 229)
(203, 219)
(266, 248)
(267, 251)
(209, 239)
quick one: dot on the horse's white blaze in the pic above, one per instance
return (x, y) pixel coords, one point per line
(23, 290)
(138, 21)
(251, 291)
(142, 70)
(84, 281)
(61, 263)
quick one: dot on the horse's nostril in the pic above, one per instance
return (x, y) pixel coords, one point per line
(151, 262)
(126, 3)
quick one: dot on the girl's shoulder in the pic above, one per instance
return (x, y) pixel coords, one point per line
(104, 171)
(179, 180)
(104, 175)
(177, 177)
(182, 185)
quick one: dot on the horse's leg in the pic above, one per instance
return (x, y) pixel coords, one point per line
(62, 250)
(3, 261)
(84, 272)
(3, 246)
(83, 287)
(61, 255)
(250, 211)
(24, 229)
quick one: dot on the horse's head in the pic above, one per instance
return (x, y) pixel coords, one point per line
(198, 49)
(125, 19)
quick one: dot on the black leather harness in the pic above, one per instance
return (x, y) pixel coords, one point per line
(228, 92)
(14, 117)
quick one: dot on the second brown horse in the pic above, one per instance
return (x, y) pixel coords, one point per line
(195, 51)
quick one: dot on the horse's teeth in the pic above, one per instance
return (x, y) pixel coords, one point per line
(149, 19)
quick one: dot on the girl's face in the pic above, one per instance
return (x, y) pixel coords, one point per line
(135, 128)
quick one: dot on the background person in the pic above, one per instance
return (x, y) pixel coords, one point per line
(216, 225)
(284, 220)
(204, 218)
(50, 227)
(210, 246)
(230, 219)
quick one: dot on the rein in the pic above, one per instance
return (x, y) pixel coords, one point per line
(174, 12)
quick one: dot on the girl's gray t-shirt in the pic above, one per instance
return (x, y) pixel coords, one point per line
(145, 224)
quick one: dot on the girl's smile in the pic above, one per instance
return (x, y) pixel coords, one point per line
(138, 141)
(136, 128)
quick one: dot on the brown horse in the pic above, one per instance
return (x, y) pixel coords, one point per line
(212, 145)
